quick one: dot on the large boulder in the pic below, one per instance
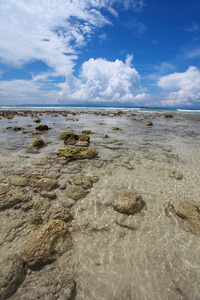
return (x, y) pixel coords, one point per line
(47, 243)
(128, 201)
(80, 153)
(12, 274)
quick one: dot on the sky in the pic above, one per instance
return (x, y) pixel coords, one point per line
(100, 52)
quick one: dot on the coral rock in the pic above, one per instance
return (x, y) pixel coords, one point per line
(128, 202)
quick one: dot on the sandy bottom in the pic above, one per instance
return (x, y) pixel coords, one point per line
(147, 255)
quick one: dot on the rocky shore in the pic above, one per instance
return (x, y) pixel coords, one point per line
(99, 205)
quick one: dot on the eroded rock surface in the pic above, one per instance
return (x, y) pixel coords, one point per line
(187, 214)
(128, 201)
(81, 153)
(36, 143)
(46, 184)
(10, 197)
(47, 243)
(12, 274)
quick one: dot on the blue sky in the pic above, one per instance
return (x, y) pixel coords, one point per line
(110, 52)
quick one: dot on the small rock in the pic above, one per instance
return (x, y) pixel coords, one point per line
(81, 153)
(46, 184)
(42, 127)
(175, 175)
(80, 180)
(148, 123)
(115, 128)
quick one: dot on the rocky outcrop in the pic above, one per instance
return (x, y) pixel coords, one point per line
(186, 213)
(175, 175)
(128, 201)
(47, 243)
(12, 274)
(80, 153)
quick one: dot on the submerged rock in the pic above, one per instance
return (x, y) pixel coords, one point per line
(47, 243)
(36, 143)
(175, 175)
(46, 184)
(12, 274)
(75, 192)
(80, 180)
(187, 214)
(17, 128)
(115, 128)
(19, 181)
(128, 201)
(10, 197)
(81, 153)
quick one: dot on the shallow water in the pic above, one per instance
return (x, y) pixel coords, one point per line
(147, 255)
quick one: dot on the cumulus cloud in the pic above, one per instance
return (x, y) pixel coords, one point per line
(103, 80)
(53, 32)
(182, 88)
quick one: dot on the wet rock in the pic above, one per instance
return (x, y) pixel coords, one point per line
(71, 138)
(33, 132)
(168, 116)
(42, 127)
(51, 195)
(175, 175)
(187, 214)
(87, 131)
(37, 120)
(75, 192)
(36, 218)
(19, 181)
(93, 177)
(115, 128)
(128, 202)
(10, 197)
(17, 128)
(12, 274)
(61, 214)
(81, 153)
(47, 243)
(46, 184)
(80, 180)
(148, 123)
(36, 143)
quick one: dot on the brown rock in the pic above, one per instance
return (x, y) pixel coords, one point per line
(46, 184)
(75, 192)
(47, 243)
(128, 202)
(12, 274)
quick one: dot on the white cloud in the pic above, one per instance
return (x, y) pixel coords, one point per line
(53, 31)
(103, 80)
(24, 91)
(182, 88)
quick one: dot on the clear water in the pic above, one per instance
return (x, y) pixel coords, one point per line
(156, 260)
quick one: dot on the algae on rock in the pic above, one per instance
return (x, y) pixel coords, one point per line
(80, 153)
